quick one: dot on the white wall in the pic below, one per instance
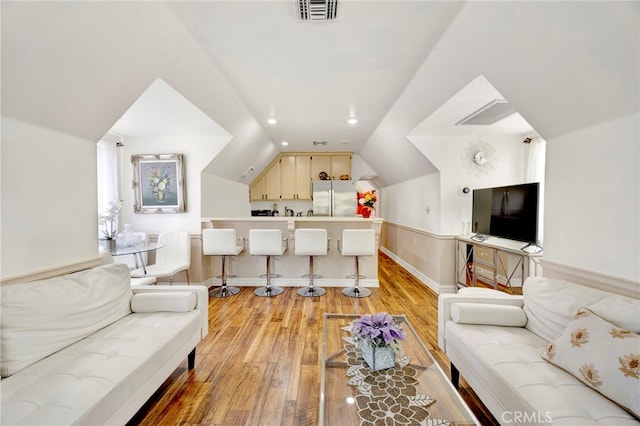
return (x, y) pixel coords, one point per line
(592, 208)
(451, 155)
(360, 169)
(224, 198)
(571, 69)
(87, 64)
(407, 203)
(198, 152)
(49, 201)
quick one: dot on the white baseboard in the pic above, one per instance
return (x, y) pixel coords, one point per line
(436, 287)
(293, 282)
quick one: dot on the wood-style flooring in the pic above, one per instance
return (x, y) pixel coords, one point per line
(261, 362)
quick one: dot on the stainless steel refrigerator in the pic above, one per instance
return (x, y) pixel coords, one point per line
(334, 198)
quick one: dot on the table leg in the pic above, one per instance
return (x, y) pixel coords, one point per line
(139, 258)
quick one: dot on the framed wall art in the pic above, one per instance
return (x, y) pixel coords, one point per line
(158, 183)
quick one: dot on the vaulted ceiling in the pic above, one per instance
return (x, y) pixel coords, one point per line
(312, 76)
(77, 67)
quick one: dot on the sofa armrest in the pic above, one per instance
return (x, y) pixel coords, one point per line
(446, 300)
(202, 298)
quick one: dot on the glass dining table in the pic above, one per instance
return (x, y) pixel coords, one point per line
(136, 250)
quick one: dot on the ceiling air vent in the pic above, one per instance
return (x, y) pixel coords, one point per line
(488, 114)
(317, 10)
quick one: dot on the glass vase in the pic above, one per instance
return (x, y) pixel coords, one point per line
(110, 244)
(378, 357)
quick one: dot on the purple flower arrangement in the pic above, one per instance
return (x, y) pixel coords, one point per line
(379, 329)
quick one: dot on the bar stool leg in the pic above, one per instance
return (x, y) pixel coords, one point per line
(356, 291)
(269, 290)
(224, 290)
(311, 290)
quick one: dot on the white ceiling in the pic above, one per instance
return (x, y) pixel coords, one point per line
(311, 76)
(78, 66)
(161, 112)
(472, 97)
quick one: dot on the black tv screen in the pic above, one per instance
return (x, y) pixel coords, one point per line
(507, 212)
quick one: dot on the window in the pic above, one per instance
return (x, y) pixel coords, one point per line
(107, 174)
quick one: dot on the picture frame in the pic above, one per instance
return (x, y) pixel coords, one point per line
(158, 183)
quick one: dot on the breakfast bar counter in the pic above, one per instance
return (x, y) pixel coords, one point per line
(332, 268)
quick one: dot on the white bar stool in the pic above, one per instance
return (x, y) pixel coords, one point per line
(357, 242)
(267, 242)
(221, 242)
(311, 242)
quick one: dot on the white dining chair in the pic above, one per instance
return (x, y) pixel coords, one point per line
(173, 257)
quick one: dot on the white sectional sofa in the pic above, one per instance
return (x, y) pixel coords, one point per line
(86, 348)
(549, 356)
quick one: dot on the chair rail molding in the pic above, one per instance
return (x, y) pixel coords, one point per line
(593, 279)
(52, 272)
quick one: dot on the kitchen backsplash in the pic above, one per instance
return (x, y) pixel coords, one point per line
(297, 206)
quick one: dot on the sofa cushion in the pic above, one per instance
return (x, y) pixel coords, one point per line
(601, 355)
(507, 362)
(489, 314)
(622, 311)
(163, 302)
(88, 381)
(550, 304)
(42, 317)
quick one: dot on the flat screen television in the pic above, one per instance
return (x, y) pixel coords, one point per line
(507, 212)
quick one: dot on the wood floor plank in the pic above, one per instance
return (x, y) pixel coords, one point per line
(261, 362)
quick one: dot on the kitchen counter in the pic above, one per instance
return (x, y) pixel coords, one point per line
(296, 219)
(333, 268)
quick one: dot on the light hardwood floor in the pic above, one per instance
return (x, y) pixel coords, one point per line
(260, 363)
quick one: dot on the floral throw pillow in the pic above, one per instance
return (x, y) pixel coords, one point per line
(601, 355)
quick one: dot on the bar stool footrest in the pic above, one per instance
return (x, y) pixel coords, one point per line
(314, 276)
(353, 277)
(272, 276)
(228, 276)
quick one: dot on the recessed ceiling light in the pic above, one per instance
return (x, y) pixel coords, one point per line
(272, 121)
(284, 143)
(352, 120)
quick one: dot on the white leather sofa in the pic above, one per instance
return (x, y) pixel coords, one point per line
(523, 355)
(87, 348)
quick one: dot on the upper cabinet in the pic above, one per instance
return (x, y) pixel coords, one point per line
(257, 189)
(295, 177)
(267, 185)
(319, 164)
(334, 165)
(289, 176)
(341, 167)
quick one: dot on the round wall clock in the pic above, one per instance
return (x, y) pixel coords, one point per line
(479, 157)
